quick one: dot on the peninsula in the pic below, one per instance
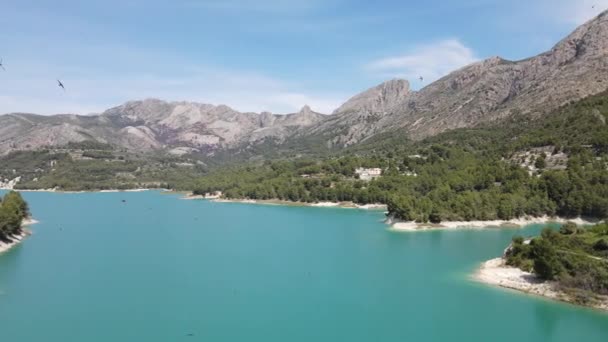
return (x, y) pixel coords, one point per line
(14, 215)
(570, 265)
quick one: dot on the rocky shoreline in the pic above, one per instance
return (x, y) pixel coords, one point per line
(17, 239)
(346, 205)
(410, 226)
(497, 273)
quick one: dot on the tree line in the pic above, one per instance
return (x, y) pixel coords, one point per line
(13, 209)
(465, 174)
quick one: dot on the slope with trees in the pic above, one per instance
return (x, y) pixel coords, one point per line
(465, 174)
(13, 210)
(575, 259)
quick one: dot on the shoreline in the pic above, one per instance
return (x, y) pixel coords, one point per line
(342, 205)
(85, 191)
(17, 239)
(410, 226)
(496, 273)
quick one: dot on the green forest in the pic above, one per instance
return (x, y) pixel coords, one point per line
(13, 209)
(576, 258)
(466, 174)
(97, 167)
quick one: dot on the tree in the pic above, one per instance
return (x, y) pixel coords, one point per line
(13, 209)
(600, 245)
(540, 162)
(505, 209)
(435, 216)
(568, 228)
(546, 264)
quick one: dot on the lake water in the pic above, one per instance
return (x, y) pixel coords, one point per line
(157, 268)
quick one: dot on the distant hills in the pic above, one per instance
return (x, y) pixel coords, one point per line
(482, 93)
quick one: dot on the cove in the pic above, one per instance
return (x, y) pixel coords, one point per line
(156, 268)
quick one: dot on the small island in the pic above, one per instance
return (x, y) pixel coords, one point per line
(570, 265)
(14, 214)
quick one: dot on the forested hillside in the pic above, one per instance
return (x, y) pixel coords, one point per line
(490, 172)
(93, 166)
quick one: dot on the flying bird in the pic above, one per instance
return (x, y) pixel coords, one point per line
(60, 84)
(421, 78)
(2, 65)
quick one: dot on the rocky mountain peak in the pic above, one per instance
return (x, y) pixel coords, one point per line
(305, 117)
(589, 40)
(139, 111)
(378, 98)
(483, 92)
(306, 110)
(266, 119)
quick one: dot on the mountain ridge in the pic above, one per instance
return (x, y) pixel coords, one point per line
(480, 93)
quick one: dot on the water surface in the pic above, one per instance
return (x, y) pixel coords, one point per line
(156, 268)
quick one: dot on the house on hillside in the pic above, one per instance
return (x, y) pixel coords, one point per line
(368, 174)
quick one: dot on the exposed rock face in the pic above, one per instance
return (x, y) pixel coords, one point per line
(480, 93)
(495, 88)
(377, 99)
(152, 125)
(27, 131)
(281, 127)
(356, 120)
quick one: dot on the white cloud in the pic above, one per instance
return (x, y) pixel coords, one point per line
(32, 88)
(431, 61)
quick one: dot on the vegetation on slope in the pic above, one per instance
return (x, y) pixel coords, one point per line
(466, 174)
(576, 258)
(13, 209)
(94, 166)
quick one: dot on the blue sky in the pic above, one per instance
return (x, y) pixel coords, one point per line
(256, 55)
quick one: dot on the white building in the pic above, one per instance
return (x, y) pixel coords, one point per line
(368, 174)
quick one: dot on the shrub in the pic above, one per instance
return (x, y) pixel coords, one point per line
(546, 263)
(600, 245)
(568, 228)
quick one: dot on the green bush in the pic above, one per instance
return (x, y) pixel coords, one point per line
(601, 245)
(568, 228)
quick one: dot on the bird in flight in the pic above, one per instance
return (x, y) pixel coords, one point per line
(60, 84)
(2, 65)
(421, 78)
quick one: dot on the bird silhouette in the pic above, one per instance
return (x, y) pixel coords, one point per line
(2, 65)
(421, 78)
(60, 84)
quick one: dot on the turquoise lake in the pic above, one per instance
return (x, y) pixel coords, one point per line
(156, 268)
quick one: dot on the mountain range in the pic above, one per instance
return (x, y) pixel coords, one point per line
(482, 93)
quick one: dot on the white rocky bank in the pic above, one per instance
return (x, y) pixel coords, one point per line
(497, 273)
(18, 238)
(9, 184)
